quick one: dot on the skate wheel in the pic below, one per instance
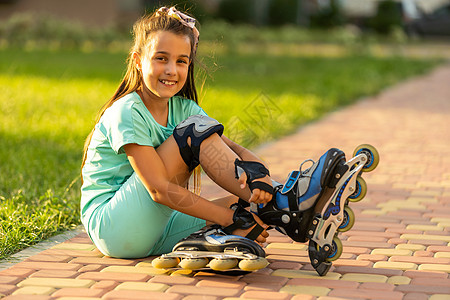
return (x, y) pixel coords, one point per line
(165, 262)
(193, 263)
(218, 264)
(360, 190)
(349, 220)
(372, 155)
(336, 250)
(253, 264)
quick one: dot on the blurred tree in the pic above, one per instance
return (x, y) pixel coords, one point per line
(283, 12)
(388, 16)
(328, 16)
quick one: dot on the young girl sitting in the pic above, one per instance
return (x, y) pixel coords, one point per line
(148, 140)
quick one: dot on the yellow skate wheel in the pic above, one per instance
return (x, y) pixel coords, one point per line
(165, 262)
(372, 155)
(360, 190)
(253, 264)
(193, 263)
(349, 220)
(336, 251)
(218, 264)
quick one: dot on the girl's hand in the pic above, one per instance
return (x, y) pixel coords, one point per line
(262, 237)
(258, 195)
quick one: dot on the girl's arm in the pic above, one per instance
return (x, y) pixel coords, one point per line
(151, 170)
(258, 196)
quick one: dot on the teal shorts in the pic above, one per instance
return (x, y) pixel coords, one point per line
(132, 225)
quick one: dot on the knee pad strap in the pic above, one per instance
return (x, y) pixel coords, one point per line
(197, 128)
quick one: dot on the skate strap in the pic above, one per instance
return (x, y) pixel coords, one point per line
(243, 219)
(253, 170)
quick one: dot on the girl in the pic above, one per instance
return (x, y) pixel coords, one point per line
(148, 139)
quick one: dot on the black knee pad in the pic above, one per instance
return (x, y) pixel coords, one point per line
(198, 128)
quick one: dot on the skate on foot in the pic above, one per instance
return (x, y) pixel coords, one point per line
(313, 204)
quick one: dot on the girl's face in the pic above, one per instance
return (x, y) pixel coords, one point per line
(164, 64)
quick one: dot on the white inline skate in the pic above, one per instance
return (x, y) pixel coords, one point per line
(212, 247)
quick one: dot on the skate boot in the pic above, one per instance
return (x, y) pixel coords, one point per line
(215, 247)
(313, 203)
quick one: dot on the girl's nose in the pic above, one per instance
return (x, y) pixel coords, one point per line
(170, 68)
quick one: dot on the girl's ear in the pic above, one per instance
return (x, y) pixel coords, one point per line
(137, 60)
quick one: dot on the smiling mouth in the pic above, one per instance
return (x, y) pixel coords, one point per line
(167, 82)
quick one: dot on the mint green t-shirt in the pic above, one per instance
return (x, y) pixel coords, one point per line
(127, 121)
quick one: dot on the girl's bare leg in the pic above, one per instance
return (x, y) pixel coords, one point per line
(216, 158)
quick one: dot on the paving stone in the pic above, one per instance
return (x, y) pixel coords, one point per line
(364, 277)
(9, 279)
(360, 270)
(397, 280)
(284, 265)
(425, 227)
(329, 283)
(305, 289)
(395, 265)
(298, 259)
(49, 258)
(74, 246)
(173, 280)
(49, 266)
(17, 272)
(287, 246)
(34, 290)
(435, 267)
(53, 274)
(383, 286)
(221, 283)
(7, 288)
(424, 254)
(430, 281)
(128, 269)
(420, 273)
(372, 258)
(102, 261)
(443, 238)
(73, 253)
(106, 285)
(304, 274)
(142, 286)
(114, 276)
(138, 295)
(265, 287)
(363, 294)
(442, 255)
(439, 297)
(261, 279)
(27, 297)
(407, 288)
(79, 292)
(203, 297)
(265, 295)
(195, 290)
(56, 282)
(415, 296)
(420, 260)
(392, 252)
(91, 268)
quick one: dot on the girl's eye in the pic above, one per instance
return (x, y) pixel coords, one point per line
(182, 61)
(162, 58)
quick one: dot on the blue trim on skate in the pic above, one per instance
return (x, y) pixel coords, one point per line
(335, 208)
(222, 239)
(371, 162)
(358, 191)
(290, 182)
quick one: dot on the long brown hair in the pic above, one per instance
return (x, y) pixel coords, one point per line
(132, 80)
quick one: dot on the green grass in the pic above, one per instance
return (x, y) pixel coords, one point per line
(48, 102)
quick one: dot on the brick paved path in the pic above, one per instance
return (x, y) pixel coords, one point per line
(399, 247)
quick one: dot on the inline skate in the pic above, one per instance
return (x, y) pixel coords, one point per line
(212, 247)
(313, 204)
